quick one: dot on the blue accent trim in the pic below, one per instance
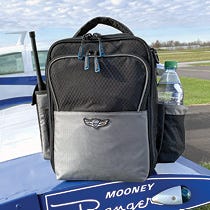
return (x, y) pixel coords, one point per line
(97, 65)
(22, 80)
(87, 63)
(81, 53)
(101, 50)
(6, 103)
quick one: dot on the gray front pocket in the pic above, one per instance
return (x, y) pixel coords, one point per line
(101, 146)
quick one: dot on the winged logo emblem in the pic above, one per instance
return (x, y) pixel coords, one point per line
(96, 123)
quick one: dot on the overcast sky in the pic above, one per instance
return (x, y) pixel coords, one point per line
(152, 20)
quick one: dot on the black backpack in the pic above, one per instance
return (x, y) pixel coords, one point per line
(102, 98)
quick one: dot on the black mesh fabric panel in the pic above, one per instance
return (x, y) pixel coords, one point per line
(117, 87)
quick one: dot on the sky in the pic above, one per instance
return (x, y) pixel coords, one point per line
(151, 20)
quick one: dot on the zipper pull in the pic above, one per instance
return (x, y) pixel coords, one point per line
(96, 63)
(87, 60)
(96, 35)
(100, 45)
(101, 48)
(87, 36)
(81, 51)
(81, 48)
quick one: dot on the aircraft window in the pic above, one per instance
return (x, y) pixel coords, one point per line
(42, 59)
(11, 63)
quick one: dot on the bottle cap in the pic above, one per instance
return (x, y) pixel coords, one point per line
(170, 64)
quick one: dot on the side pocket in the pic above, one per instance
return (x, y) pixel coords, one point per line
(42, 112)
(160, 126)
(173, 135)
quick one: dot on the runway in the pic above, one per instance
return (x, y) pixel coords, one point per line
(197, 130)
(187, 69)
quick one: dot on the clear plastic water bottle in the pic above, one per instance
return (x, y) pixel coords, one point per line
(169, 87)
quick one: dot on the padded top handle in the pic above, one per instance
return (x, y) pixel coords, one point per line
(105, 21)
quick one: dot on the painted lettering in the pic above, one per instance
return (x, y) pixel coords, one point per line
(135, 189)
(133, 206)
(143, 188)
(150, 186)
(128, 191)
(110, 194)
(119, 193)
(80, 204)
(119, 208)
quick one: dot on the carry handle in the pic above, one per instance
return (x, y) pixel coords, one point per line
(105, 21)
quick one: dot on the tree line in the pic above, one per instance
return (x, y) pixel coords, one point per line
(172, 43)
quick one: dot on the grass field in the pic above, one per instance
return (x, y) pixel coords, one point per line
(206, 207)
(201, 64)
(196, 91)
(201, 54)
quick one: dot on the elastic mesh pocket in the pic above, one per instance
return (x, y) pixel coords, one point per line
(172, 144)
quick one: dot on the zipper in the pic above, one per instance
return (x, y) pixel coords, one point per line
(81, 53)
(91, 38)
(97, 69)
(100, 45)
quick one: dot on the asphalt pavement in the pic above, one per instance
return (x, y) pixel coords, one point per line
(187, 69)
(197, 120)
(197, 133)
